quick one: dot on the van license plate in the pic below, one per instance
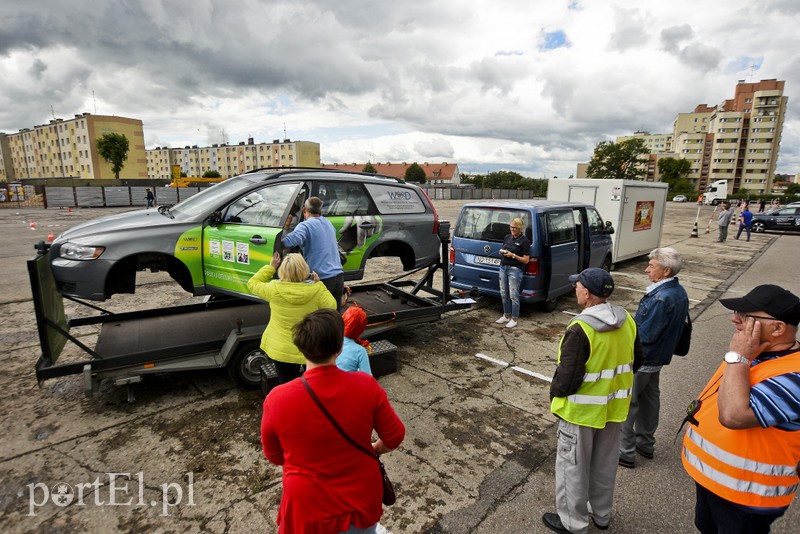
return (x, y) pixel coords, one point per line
(487, 261)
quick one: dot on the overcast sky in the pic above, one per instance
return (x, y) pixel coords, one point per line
(524, 85)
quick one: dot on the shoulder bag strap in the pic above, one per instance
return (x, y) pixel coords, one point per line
(350, 440)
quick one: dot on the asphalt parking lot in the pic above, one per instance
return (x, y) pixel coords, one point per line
(477, 456)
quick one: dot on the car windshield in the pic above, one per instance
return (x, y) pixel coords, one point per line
(489, 224)
(214, 197)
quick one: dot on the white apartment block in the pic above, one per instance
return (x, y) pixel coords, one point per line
(68, 148)
(231, 160)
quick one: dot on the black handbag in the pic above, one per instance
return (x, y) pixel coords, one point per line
(682, 348)
(389, 496)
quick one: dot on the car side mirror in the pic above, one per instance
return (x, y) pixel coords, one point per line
(215, 219)
(609, 228)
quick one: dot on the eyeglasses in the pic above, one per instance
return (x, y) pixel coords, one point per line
(516, 227)
(742, 316)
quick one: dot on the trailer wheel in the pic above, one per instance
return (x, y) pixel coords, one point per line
(245, 365)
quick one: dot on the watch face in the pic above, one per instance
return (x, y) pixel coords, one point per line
(733, 357)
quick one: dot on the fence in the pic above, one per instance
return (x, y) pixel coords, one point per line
(107, 197)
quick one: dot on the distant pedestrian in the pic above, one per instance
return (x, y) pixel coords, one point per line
(724, 220)
(761, 204)
(150, 197)
(745, 222)
(590, 394)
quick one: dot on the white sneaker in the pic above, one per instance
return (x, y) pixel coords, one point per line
(502, 320)
(511, 324)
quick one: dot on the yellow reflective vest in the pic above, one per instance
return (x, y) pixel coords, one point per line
(605, 394)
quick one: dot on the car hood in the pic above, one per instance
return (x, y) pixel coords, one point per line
(121, 221)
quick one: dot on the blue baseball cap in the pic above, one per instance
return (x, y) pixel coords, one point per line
(597, 281)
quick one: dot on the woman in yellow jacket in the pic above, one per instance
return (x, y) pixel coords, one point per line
(291, 297)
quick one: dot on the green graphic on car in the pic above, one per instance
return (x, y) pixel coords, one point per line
(225, 256)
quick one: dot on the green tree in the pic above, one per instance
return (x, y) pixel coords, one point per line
(113, 148)
(415, 173)
(674, 172)
(619, 160)
(212, 174)
(370, 168)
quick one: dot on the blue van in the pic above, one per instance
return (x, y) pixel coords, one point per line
(566, 237)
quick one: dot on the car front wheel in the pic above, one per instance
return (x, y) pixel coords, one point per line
(759, 226)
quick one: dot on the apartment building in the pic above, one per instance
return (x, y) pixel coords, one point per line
(231, 160)
(68, 148)
(737, 140)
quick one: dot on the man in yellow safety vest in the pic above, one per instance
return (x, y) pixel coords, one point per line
(597, 357)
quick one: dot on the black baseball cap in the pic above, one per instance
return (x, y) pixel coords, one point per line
(768, 298)
(597, 281)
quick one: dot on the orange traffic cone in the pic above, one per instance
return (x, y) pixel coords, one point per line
(50, 236)
(33, 225)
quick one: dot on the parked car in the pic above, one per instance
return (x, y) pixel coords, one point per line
(793, 204)
(566, 237)
(785, 219)
(679, 198)
(214, 241)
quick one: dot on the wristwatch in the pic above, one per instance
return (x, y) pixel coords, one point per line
(735, 357)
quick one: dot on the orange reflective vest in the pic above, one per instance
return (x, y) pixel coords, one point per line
(755, 467)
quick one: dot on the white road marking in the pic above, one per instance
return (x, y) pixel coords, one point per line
(515, 368)
(493, 360)
(532, 373)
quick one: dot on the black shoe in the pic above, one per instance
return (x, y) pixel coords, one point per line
(626, 463)
(598, 526)
(648, 455)
(553, 522)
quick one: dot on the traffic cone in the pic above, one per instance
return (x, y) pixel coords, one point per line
(694, 230)
(50, 236)
(69, 210)
(33, 225)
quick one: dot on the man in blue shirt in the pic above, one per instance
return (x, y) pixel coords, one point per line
(316, 238)
(745, 221)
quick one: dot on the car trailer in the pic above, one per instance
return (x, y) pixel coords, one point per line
(219, 332)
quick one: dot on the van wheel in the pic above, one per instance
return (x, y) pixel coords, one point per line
(607, 265)
(548, 305)
(245, 365)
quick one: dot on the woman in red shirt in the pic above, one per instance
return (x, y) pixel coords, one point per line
(329, 486)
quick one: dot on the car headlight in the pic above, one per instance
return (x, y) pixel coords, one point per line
(74, 251)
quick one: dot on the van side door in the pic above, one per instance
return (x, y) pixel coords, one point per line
(564, 254)
(599, 240)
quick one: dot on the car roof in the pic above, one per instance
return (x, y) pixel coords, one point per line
(524, 204)
(328, 174)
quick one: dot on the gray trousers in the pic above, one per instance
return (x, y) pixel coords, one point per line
(639, 430)
(723, 233)
(586, 470)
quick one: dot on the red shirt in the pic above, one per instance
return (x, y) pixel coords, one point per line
(328, 484)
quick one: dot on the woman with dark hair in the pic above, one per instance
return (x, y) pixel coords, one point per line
(329, 485)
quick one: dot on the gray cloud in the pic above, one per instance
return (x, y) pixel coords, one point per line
(435, 148)
(673, 36)
(630, 30)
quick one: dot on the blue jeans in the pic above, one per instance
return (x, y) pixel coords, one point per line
(510, 280)
(743, 227)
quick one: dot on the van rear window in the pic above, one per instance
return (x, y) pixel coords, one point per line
(489, 224)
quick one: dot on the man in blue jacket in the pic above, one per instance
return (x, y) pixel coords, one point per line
(316, 238)
(660, 318)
